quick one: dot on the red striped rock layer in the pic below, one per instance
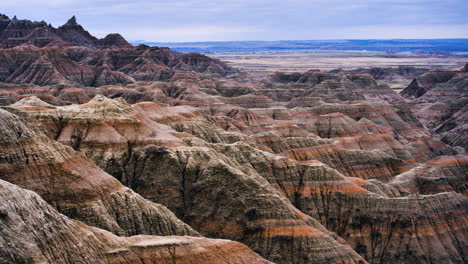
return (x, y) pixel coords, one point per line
(52, 66)
(315, 188)
(192, 181)
(353, 153)
(329, 86)
(442, 174)
(218, 200)
(425, 82)
(443, 108)
(92, 67)
(77, 187)
(24, 216)
(386, 120)
(360, 163)
(402, 74)
(381, 228)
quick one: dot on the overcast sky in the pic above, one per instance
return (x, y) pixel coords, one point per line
(215, 20)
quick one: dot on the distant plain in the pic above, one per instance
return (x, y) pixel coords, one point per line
(301, 62)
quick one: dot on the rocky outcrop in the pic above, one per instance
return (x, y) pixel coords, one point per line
(17, 29)
(75, 186)
(113, 41)
(14, 32)
(75, 33)
(442, 174)
(425, 82)
(397, 77)
(442, 107)
(32, 231)
(51, 66)
(91, 67)
(331, 87)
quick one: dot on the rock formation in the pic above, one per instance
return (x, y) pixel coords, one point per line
(312, 172)
(440, 101)
(14, 32)
(135, 153)
(75, 186)
(91, 67)
(193, 184)
(32, 231)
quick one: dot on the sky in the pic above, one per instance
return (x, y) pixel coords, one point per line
(215, 20)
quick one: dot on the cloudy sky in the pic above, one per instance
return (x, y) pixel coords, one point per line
(215, 20)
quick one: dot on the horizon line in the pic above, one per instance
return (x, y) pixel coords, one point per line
(284, 40)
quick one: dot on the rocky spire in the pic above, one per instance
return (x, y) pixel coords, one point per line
(71, 21)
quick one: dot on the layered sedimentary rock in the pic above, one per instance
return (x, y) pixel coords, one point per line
(75, 186)
(442, 174)
(15, 32)
(398, 77)
(75, 33)
(201, 162)
(91, 67)
(32, 231)
(314, 167)
(443, 104)
(380, 227)
(203, 187)
(329, 86)
(425, 82)
(114, 40)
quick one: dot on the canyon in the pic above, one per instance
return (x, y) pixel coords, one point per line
(114, 153)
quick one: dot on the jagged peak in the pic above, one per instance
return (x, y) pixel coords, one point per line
(72, 21)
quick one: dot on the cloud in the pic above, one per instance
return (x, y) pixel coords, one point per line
(186, 33)
(188, 20)
(396, 32)
(33, 3)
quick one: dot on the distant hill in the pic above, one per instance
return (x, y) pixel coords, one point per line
(15, 32)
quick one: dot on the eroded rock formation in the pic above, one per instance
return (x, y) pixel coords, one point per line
(349, 179)
(440, 101)
(314, 167)
(32, 231)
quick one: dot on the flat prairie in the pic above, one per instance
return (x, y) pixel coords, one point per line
(325, 61)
